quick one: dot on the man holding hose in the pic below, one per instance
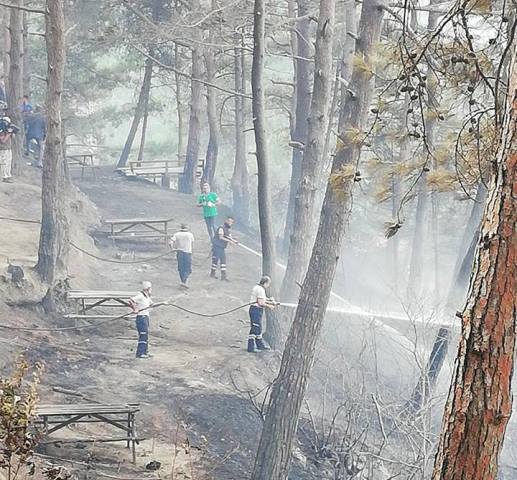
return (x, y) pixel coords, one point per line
(258, 302)
(141, 304)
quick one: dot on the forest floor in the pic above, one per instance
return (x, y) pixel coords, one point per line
(197, 416)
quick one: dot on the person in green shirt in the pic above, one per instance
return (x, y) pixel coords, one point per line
(209, 201)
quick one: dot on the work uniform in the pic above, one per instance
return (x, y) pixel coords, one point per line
(5, 160)
(142, 302)
(36, 129)
(219, 249)
(256, 313)
(182, 242)
(209, 203)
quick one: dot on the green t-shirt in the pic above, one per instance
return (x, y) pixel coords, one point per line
(208, 211)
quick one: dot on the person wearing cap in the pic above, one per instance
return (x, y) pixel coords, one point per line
(209, 201)
(5, 146)
(141, 304)
(182, 243)
(258, 302)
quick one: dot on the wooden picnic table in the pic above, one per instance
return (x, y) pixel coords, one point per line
(89, 299)
(121, 416)
(139, 228)
(83, 160)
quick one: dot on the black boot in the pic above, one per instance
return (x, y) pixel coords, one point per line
(261, 345)
(251, 346)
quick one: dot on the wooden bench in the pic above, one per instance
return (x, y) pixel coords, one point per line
(122, 416)
(83, 160)
(159, 169)
(89, 299)
(129, 228)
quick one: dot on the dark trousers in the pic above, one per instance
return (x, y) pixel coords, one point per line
(219, 258)
(210, 226)
(142, 325)
(256, 314)
(184, 265)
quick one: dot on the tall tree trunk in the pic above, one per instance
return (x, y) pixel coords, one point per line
(14, 81)
(188, 178)
(301, 237)
(303, 100)
(288, 391)
(240, 181)
(143, 98)
(414, 285)
(53, 242)
(479, 405)
(212, 148)
(180, 111)
(26, 57)
(144, 130)
(267, 235)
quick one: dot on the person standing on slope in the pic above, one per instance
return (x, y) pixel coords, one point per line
(258, 301)
(182, 243)
(222, 238)
(209, 201)
(140, 304)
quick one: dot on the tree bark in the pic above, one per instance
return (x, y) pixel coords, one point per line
(301, 236)
(15, 80)
(274, 451)
(267, 235)
(212, 148)
(188, 178)
(143, 98)
(479, 405)
(143, 134)
(240, 180)
(180, 111)
(26, 57)
(54, 233)
(303, 101)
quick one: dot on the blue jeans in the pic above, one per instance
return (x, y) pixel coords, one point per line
(256, 314)
(184, 265)
(142, 325)
(210, 226)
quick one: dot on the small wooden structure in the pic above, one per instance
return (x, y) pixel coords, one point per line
(83, 160)
(134, 228)
(159, 170)
(122, 416)
(89, 299)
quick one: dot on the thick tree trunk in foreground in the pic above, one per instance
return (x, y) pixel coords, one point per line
(303, 101)
(188, 178)
(212, 148)
(15, 79)
(27, 74)
(274, 451)
(53, 242)
(143, 98)
(479, 405)
(301, 236)
(240, 181)
(267, 235)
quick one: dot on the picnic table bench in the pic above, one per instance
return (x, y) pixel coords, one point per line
(83, 160)
(89, 299)
(122, 416)
(139, 228)
(159, 169)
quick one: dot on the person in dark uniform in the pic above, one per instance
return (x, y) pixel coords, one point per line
(223, 236)
(36, 129)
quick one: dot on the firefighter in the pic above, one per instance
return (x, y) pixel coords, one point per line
(140, 304)
(258, 301)
(223, 236)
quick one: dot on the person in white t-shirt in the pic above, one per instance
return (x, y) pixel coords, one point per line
(258, 301)
(140, 304)
(182, 243)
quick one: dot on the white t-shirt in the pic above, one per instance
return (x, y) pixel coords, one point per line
(183, 241)
(258, 292)
(142, 304)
